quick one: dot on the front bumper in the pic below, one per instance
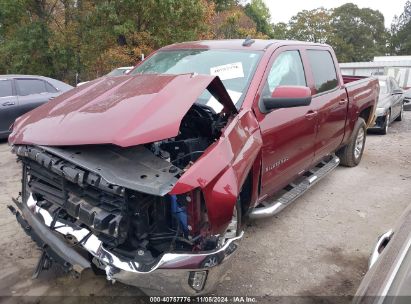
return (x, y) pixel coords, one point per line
(171, 274)
(378, 123)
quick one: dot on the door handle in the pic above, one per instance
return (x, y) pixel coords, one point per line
(51, 98)
(9, 103)
(311, 114)
(342, 101)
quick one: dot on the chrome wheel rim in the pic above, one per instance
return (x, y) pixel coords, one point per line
(359, 143)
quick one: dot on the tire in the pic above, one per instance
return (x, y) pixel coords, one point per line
(350, 155)
(384, 128)
(400, 117)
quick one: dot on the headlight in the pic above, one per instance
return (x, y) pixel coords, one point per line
(380, 111)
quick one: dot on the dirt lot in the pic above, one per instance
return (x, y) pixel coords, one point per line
(317, 246)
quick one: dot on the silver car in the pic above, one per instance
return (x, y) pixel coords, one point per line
(388, 279)
(22, 93)
(390, 105)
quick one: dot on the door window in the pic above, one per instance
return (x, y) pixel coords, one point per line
(322, 65)
(30, 86)
(287, 69)
(6, 88)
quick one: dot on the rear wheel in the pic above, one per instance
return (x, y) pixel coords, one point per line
(350, 155)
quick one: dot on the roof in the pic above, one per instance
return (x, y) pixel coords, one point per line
(21, 75)
(57, 83)
(234, 44)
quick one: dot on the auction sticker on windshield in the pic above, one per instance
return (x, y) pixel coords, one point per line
(228, 71)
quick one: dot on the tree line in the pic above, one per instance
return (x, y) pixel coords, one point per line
(78, 40)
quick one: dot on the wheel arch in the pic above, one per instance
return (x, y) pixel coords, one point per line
(367, 115)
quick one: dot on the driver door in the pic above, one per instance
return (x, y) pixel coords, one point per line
(288, 133)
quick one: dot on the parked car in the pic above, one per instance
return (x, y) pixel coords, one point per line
(151, 173)
(116, 72)
(22, 93)
(390, 105)
(388, 279)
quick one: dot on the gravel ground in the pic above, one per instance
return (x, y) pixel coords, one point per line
(319, 246)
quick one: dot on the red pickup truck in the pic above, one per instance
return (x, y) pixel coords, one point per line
(148, 176)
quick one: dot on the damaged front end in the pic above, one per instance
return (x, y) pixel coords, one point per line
(113, 208)
(126, 231)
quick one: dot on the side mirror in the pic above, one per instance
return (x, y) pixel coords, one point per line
(397, 92)
(288, 97)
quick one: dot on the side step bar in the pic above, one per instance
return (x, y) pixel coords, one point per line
(267, 209)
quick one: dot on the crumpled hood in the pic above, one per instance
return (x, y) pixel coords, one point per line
(124, 111)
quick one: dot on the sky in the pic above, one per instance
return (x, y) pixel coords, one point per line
(283, 11)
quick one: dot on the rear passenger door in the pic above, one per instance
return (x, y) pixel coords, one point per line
(288, 133)
(32, 92)
(329, 100)
(8, 105)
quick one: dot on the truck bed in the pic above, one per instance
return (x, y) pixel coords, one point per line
(362, 94)
(352, 78)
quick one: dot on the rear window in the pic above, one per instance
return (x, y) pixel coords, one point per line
(30, 86)
(5, 88)
(323, 68)
(50, 88)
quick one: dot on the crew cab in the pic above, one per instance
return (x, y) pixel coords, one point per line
(148, 176)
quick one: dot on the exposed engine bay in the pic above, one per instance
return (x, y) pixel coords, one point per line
(121, 194)
(198, 129)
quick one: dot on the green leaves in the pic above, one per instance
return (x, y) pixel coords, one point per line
(359, 34)
(260, 14)
(401, 32)
(355, 34)
(60, 38)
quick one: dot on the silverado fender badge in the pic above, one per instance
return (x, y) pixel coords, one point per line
(276, 164)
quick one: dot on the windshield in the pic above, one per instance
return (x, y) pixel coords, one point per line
(235, 69)
(118, 72)
(383, 87)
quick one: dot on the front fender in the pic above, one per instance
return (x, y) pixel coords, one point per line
(222, 169)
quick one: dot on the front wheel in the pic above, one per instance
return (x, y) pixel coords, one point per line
(350, 155)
